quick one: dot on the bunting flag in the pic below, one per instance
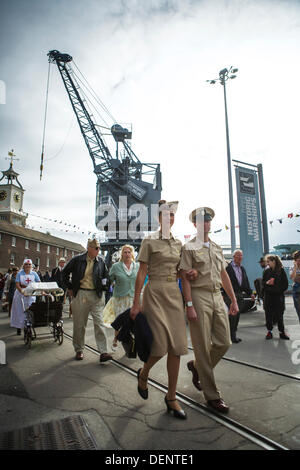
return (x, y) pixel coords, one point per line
(77, 229)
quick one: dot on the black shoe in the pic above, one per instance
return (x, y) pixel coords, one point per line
(269, 335)
(143, 393)
(283, 336)
(18, 331)
(236, 340)
(179, 414)
(104, 357)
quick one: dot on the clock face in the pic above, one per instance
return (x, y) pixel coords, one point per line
(3, 195)
(17, 197)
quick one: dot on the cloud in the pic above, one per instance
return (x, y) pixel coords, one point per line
(149, 62)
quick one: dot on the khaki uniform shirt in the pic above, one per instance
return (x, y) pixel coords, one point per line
(87, 280)
(209, 263)
(162, 256)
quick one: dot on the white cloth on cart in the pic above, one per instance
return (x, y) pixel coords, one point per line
(20, 302)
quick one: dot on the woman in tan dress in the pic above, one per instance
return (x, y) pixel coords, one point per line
(159, 257)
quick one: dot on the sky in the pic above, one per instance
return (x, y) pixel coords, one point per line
(148, 61)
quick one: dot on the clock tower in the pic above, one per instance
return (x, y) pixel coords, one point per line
(11, 196)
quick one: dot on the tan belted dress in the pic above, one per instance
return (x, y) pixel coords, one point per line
(162, 300)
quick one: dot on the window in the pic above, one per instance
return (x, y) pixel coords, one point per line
(0, 238)
(37, 261)
(72, 254)
(26, 244)
(38, 247)
(48, 249)
(57, 251)
(3, 217)
(66, 252)
(12, 258)
(48, 262)
(13, 241)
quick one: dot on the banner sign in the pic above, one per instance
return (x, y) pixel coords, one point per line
(251, 242)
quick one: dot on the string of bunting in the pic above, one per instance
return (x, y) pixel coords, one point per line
(73, 228)
(291, 215)
(67, 227)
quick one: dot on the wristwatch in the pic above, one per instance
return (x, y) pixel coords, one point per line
(189, 303)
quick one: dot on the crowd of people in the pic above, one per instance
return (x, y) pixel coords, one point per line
(210, 297)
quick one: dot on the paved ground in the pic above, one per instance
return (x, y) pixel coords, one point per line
(45, 383)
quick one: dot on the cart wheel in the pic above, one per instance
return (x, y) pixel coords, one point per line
(60, 334)
(27, 336)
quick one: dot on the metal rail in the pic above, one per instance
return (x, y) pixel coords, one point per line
(257, 366)
(253, 366)
(248, 433)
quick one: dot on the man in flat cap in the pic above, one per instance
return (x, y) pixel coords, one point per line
(89, 280)
(208, 320)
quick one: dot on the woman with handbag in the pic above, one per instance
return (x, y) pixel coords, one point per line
(162, 305)
(123, 274)
(295, 276)
(275, 283)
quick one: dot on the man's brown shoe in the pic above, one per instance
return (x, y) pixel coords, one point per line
(195, 380)
(105, 357)
(218, 405)
(79, 356)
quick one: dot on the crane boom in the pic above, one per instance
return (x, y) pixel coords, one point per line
(116, 176)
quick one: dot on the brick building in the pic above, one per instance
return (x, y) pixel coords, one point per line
(18, 242)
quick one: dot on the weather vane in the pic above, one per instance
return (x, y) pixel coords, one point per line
(11, 156)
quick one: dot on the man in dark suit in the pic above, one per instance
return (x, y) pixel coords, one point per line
(242, 290)
(57, 275)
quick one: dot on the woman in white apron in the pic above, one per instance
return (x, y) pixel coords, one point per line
(21, 302)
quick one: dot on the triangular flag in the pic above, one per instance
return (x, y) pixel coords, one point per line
(297, 215)
(217, 231)
(280, 221)
(290, 215)
(227, 228)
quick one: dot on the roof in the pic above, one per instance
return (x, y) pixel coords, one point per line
(27, 233)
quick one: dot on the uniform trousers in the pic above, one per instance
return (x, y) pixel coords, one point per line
(210, 335)
(87, 302)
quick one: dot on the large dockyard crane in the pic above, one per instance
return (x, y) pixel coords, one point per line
(120, 175)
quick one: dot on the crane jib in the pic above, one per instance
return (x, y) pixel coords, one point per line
(117, 177)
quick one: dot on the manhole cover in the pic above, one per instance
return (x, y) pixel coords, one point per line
(70, 433)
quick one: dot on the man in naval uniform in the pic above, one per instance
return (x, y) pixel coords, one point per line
(208, 319)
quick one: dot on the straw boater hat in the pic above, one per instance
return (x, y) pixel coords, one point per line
(206, 212)
(62, 259)
(93, 243)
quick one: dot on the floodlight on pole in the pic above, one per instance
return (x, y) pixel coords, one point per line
(224, 75)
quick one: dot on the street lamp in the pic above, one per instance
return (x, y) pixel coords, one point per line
(224, 75)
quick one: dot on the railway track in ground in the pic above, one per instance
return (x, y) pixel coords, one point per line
(257, 438)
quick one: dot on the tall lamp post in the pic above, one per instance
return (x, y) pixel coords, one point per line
(224, 75)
